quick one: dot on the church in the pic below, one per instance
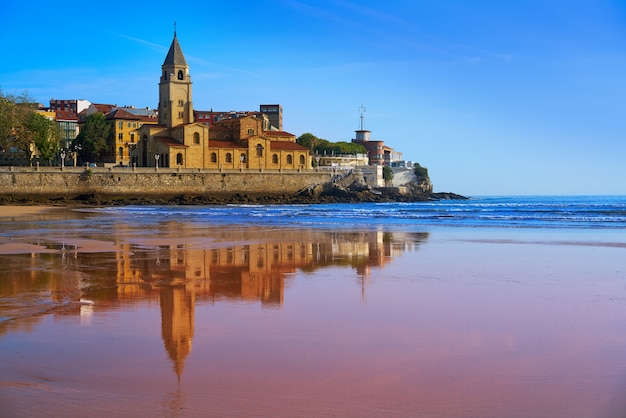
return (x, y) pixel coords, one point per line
(239, 142)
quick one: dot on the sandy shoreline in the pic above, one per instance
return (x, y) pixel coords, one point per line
(11, 211)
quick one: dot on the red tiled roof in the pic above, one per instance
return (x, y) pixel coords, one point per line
(170, 142)
(277, 133)
(65, 115)
(122, 114)
(126, 115)
(286, 145)
(217, 143)
(104, 108)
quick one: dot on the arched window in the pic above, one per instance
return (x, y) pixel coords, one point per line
(196, 138)
(180, 74)
(132, 137)
(179, 159)
(289, 159)
(302, 160)
(275, 158)
(259, 150)
(242, 158)
(229, 157)
(213, 157)
(120, 151)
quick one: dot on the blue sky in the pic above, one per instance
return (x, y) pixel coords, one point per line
(495, 98)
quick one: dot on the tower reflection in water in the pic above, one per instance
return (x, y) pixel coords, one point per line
(242, 265)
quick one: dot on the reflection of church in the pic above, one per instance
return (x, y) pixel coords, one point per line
(257, 271)
(243, 264)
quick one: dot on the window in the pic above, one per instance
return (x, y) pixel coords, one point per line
(242, 158)
(181, 75)
(180, 103)
(132, 137)
(250, 131)
(274, 158)
(120, 125)
(259, 150)
(302, 160)
(180, 115)
(129, 124)
(196, 138)
(229, 157)
(120, 152)
(213, 157)
(120, 136)
(134, 124)
(289, 159)
(179, 159)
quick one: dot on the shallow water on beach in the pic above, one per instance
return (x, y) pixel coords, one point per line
(131, 312)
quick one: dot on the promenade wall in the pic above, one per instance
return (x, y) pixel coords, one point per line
(146, 182)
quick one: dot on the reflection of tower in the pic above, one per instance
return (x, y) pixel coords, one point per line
(364, 279)
(177, 323)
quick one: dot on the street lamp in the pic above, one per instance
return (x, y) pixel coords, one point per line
(62, 159)
(241, 158)
(156, 161)
(317, 163)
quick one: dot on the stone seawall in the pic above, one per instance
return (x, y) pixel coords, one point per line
(122, 182)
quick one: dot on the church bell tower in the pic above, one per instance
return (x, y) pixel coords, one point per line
(175, 104)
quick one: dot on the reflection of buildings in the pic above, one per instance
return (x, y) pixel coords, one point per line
(242, 264)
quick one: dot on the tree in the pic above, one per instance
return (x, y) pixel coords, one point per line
(308, 140)
(387, 175)
(323, 146)
(93, 137)
(15, 112)
(6, 121)
(43, 133)
(420, 172)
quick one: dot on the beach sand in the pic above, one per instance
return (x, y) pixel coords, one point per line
(10, 211)
(297, 322)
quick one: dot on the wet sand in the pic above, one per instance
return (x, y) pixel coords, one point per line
(9, 211)
(298, 323)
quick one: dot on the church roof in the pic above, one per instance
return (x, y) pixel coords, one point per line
(175, 55)
(286, 145)
(278, 133)
(170, 142)
(219, 143)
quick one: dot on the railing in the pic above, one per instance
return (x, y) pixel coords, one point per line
(163, 170)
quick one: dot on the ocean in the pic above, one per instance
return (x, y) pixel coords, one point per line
(585, 212)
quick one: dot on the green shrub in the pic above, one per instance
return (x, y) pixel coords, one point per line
(421, 172)
(87, 174)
